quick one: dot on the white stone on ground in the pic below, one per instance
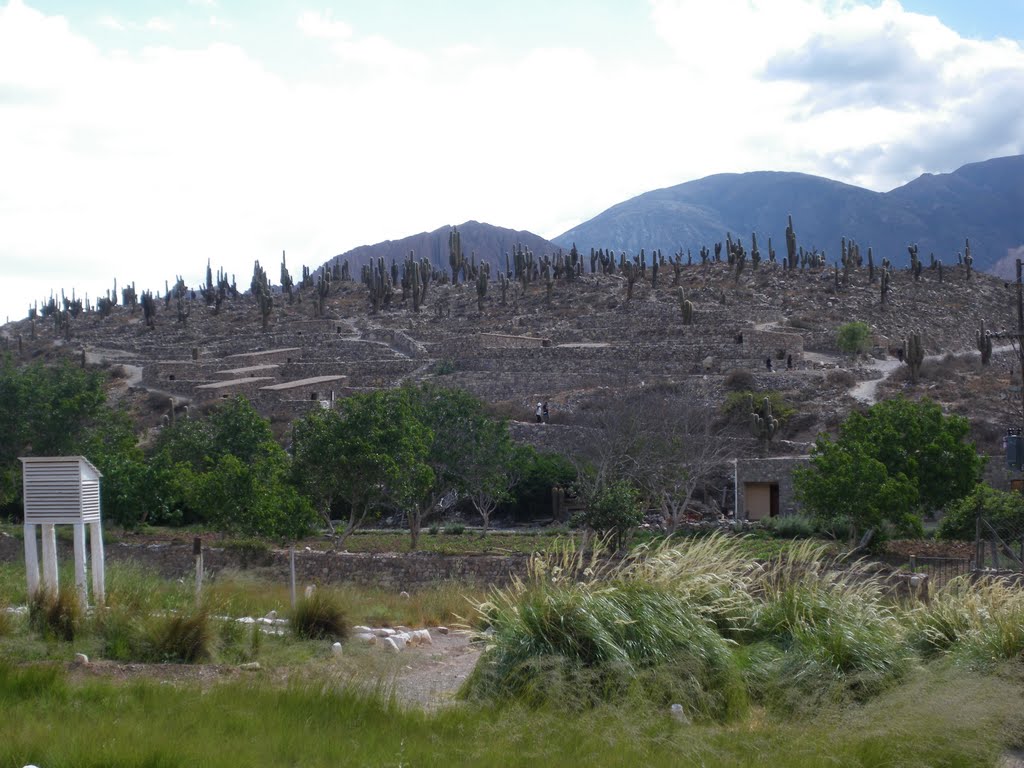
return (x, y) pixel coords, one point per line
(360, 628)
(399, 641)
(383, 632)
(336, 649)
(251, 666)
(365, 637)
(391, 645)
(81, 658)
(404, 594)
(442, 630)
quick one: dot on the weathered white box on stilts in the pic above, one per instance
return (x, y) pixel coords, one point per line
(62, 490)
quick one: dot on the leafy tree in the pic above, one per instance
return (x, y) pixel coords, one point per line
(854, 338)
(455, 422)
(1004, 512)
(614, 510)
(846, 484)
(371, 453)
(490, 470)
(889, 464)
(227, 471)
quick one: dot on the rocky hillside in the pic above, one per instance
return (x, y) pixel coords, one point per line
(580, 340)
(981, 201)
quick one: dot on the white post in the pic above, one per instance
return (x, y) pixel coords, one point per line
(81, 586)
(31, 559)
(50, 558)
(291, 571)
(197, 550)
(99, 579)
(736, 491)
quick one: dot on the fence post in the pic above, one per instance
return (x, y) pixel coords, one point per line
(197, 550)
(291, 574)
(913, 563)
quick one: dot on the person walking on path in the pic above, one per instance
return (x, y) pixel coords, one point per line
(545, 413)
(540, 413)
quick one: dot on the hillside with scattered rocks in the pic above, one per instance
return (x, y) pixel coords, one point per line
(580, 338)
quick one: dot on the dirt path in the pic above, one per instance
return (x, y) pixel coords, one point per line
(431, 675)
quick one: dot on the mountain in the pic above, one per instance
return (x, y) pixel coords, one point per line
(983, 201)
(486, 240)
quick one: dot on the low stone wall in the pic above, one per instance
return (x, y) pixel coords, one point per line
(391, 571)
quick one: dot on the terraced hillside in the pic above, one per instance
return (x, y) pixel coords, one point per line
(583, 338)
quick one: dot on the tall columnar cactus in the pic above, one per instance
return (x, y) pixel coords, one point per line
(968, 259)
(984, 342)
(871, 266)
(763, 424)
(884, 280)
(914, 356)
(685, 307)
(755, 254)
(286, 278)
(323, 288)
(481, 285)
(148, 309)
(791, 242)
(455, 257)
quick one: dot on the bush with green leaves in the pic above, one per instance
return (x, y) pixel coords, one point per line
(854, 338)
(1003, 510)
(888, 465)
(614, 511)
(737, 406)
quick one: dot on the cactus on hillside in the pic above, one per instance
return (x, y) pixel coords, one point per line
(763, 424)
(885, 286)
(481, 285)
(984, 341)
(685, 307)
(455, 258)
(968, 259)
(914, 356)
(791, 242)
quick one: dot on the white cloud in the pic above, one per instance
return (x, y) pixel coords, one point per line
(141, 165)
(158, 24)
(318, 24)
(111, 23)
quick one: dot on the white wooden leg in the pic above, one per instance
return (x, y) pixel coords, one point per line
(81, 586)
(99, 579)
(31, 559)
(50, 559)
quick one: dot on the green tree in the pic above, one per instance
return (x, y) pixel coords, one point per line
(854, 338)
(454, 421)
(889, 464)
(490, 470)
(227, 471)
(1003, 510)
(371, 454)
(615, 510)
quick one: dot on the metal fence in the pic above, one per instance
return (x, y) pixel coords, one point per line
(940, 570)
(998, 545)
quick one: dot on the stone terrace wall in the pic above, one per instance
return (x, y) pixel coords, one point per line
(391, 571)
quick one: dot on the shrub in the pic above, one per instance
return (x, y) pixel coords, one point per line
(790, 527)
(1003, 510)
(319, 616)
(737, 405)
(854, 338)
(55, 616)
(455, 529)
(181, 637)
(739, 380)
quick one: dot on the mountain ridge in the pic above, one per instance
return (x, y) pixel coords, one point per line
(982, 201)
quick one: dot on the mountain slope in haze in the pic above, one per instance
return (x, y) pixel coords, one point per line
(983, 201)
(488, 242)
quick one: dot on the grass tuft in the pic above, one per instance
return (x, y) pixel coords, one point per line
(55, 616)
(319, 616)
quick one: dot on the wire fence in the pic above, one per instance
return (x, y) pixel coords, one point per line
(940, 570)
(999, 545)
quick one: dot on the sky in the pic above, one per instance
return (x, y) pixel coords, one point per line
(140, 138)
